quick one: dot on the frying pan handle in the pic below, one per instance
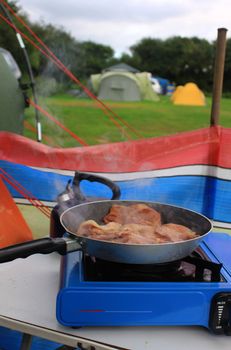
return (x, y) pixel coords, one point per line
(23, 250)
(93, 178)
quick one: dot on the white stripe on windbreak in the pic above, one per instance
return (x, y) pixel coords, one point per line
(188, 170)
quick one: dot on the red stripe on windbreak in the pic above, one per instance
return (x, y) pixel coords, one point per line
(93, 310)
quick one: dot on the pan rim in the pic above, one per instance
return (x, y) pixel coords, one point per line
(137, 244)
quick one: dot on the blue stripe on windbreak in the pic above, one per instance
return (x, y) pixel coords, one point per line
(185, 191)
(43, 185)
(207, 195)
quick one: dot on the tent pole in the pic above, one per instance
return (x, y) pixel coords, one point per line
(218, 75)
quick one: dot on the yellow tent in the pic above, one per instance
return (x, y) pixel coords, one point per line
(176, 92)
(189, 94)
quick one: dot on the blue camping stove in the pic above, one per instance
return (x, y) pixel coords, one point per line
(194, 291)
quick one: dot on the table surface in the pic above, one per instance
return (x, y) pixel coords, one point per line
(27, 304)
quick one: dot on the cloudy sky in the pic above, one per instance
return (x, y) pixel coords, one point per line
(122, 23)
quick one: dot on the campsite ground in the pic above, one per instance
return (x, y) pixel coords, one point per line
(83, 117)
(150, 119)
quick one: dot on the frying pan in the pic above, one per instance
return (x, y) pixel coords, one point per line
(110, 251)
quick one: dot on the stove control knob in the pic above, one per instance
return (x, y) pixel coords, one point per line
(220, 314)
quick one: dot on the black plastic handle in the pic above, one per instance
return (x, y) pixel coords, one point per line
(94, 178)
(42, 246)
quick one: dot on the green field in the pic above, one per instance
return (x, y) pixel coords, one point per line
(149, 119)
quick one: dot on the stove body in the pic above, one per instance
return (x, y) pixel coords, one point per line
(97, 293)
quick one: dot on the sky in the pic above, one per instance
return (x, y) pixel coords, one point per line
(123, 23)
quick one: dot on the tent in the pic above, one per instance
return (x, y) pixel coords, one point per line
(176, 92)
(123, 86)
(163, 84)
(12, 102)
(189, 94)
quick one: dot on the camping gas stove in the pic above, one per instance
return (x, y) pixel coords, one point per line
(194, 291)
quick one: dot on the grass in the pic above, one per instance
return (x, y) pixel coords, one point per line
(38, 223)
(150, 119)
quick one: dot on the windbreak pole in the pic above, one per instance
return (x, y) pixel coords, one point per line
(218, 75)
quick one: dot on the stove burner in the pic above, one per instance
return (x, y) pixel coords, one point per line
(192, 268)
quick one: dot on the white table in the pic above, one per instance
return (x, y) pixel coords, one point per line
(27, 304)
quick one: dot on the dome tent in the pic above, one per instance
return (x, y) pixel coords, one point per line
(189, 94)
(123, 86)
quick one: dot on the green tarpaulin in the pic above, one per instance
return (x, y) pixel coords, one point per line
(12, 102)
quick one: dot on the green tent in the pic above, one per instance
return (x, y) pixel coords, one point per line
(12, 103)
(123, 86)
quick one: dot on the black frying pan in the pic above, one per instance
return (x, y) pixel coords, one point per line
(117, 252)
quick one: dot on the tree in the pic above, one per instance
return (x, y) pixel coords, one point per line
(9, 41)
(95, 57)
(65, 47)
(178, 59)
(81, 58)
(148, 55)
(191, 60)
